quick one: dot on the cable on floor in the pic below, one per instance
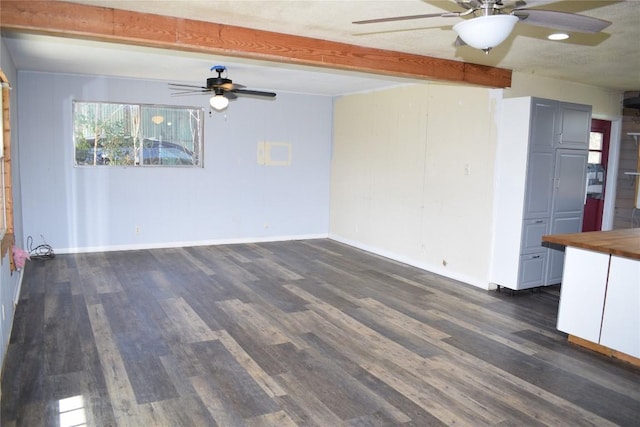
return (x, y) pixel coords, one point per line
(42, 252)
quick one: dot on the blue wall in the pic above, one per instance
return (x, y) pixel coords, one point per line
(232, 199)
(10, 282)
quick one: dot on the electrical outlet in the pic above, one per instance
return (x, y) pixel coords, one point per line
(137, 229)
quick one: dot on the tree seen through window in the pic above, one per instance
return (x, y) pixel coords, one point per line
(112, 134)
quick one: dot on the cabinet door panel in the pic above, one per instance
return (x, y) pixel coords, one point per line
(537, 202)
(531, 272)
(544, 124)
(575, 125)
(582, 293)
(570, 182)
(568, 203)
(561, 225)
(532, 232)
(621, 320)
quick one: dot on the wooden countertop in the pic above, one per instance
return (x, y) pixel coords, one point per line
(624, 243)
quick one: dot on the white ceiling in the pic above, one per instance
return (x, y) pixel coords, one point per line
(610, 59)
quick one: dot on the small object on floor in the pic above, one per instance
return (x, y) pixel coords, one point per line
(43, 251)
(20, 257)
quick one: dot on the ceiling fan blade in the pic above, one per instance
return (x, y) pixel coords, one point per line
(191, 92)
(469, 4)
(561, 20)
(180, 86)
(530, 3)
(404, 18)
(254, 93)
(230, 95)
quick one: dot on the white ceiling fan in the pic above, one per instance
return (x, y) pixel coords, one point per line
(492, 21)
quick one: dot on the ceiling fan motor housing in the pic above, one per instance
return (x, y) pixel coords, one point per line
(213, 82)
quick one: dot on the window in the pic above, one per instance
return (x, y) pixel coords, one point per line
(111, 134)
(595, 147)
(595, 172)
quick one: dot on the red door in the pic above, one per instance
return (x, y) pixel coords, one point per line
(596, 174)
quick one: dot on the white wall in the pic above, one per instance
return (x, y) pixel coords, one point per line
(413, 170)
(231, 199)
(412, 176)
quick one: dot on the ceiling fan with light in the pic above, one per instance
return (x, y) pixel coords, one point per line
(221, 89)
(492, 21)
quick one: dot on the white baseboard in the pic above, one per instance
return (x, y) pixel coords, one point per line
(375, 250)
(412, 262)
(16, 297)
(184, 244)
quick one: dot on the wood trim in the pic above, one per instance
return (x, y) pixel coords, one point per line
(8, 239)
(66, 19)
(604, 350)
(5, 245)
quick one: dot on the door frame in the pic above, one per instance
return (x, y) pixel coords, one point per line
(612, 171)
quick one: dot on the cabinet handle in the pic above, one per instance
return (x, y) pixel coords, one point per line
(539, 221)
(535, 257)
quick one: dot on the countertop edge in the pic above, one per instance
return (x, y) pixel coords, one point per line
(623, 243)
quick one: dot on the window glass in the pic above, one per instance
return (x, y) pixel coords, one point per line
(595, 147)
(111, 134)
(595, 141)
(595, 157)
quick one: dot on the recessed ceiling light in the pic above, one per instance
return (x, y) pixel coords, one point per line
(558, 36)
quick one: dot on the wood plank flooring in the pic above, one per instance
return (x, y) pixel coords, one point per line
(303, 333)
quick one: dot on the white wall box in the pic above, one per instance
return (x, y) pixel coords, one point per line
(541, 171)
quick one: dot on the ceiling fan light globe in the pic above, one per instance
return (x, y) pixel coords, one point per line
(486, 32)
(218, 102)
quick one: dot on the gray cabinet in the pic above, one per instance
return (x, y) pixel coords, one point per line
(573, 131)
(541, 177)
(544, 124)
(540, 170)
(568, 203)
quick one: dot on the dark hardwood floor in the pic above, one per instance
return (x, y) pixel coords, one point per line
(293, 333)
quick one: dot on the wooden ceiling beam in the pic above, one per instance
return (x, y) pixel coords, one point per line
(59, 18)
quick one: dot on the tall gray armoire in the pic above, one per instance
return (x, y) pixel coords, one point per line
(541, 171)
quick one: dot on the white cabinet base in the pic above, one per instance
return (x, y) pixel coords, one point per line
(621, 320)
(582, 293)
(600, 303)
